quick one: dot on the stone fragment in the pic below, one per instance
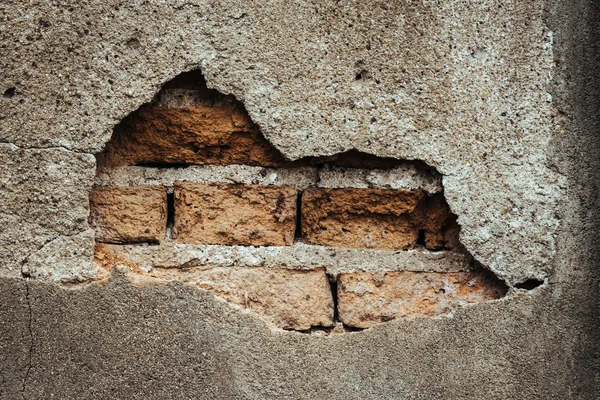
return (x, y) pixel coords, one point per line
(66, 259)
(368, 298)
(128, 214)
(247, 215)
(287, 299)
(205, 134)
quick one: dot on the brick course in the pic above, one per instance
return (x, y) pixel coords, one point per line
(247, 215)
(368, 298)
(128, 214)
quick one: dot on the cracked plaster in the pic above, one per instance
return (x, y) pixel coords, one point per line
(462, 86)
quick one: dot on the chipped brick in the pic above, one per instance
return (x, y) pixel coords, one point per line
(248, 215)
(128, 214)
(368, 298)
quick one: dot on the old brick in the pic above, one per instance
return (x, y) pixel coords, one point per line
(288, 299)
(439, 227)
(367, 298)
(220, 133)
(128, 214)
(377, 218)
(234, 214)
(371, 218)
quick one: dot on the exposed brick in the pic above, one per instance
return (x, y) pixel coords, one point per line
(371, 218)
(128, 214)
(368, 298)
(248, 215)
(439, 226)
(288, 299)
(376, 218)
(220, 133)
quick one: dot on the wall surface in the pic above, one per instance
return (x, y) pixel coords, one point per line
(500, 98)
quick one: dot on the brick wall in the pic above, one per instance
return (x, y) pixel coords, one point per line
(191, 169)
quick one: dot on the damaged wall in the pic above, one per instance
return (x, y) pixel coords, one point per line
(500, 99)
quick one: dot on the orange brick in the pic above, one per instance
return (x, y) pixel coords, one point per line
(128, 214)
(208, 133)
(288, 299)
(248, 215)
(368, 298)
(369, 218)
(377, 218)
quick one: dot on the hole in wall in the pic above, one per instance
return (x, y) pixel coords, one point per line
(9, 93)
(529, 284)
(170, 212)
(311, 245)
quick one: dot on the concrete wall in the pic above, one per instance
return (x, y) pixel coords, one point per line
(502, 99)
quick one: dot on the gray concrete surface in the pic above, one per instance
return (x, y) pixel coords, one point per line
(463, 86)
(114, 340)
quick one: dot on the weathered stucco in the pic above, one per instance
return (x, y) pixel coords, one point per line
(462, 86)
(500, 97)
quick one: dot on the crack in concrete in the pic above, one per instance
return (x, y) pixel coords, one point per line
(31, 340)
(45, 148)
(24, 264)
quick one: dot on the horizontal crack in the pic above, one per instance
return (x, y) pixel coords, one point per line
(46, 148)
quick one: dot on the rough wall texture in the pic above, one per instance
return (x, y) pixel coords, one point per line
(501, 98)
(462, 86)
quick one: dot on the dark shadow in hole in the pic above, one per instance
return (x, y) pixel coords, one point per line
(298, 231)
(421, 238)
(170, 210)
(9, 93)
(529, 284)
(333, 284)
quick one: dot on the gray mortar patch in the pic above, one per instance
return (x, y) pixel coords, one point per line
(403, 177)
(297, 256)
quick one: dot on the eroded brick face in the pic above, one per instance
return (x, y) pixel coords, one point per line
(219, 134)
(248, 215)
(128, 214)
(367, 298)
(288, 299)
(375, 218)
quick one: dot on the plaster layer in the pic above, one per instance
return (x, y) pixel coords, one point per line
(44, 197)
(462, 86)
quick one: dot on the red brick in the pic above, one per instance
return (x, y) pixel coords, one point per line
(247, 215)
(368, 298)
(128, 214)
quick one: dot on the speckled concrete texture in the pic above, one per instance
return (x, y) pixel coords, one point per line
(462, 86)
(501, 97)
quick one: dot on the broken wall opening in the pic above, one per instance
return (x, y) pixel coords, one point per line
(189, 189)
